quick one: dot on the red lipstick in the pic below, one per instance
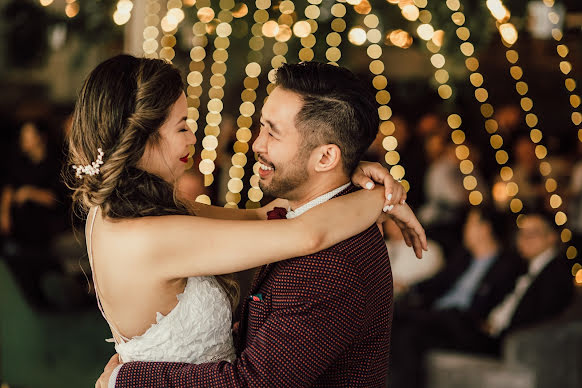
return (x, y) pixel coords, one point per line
(184, 159)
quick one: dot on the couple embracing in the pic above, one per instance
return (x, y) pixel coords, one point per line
(320, 307)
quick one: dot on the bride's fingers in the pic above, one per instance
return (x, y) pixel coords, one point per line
(416, 246)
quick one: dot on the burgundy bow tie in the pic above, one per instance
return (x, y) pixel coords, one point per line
(277, 213)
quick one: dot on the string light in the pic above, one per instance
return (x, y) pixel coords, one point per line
(123, 12)
(222, 28)
(380, 83)
(282, 31)
(531, 119)
(151, 31)
(72, 8)
(305, 29)
(195, 79)
(565, 67)
(245, 120)
(169, 24)
(506, 189)
(334, 38)
(434, 42)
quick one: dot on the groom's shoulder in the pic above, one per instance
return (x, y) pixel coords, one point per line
(349, 256)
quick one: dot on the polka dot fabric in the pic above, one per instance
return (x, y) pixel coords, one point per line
(324, 321)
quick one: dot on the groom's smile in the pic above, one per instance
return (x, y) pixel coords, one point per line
(282, 162)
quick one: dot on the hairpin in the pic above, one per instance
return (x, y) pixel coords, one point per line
(89, 169)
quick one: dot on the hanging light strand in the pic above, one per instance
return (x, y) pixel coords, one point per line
(245, 119)
(434, 41)
(531, 120)
(151, 31)
(195, 78)
(122, 13)
(565, 66)
(281, 30)
(334, 38)
(221, 28)
(374, 51)
(305, 29)
(506, 189)
(169, 23)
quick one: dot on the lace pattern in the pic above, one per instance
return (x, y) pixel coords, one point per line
(197, 330)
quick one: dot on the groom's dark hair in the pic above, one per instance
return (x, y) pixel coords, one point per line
(338, 108)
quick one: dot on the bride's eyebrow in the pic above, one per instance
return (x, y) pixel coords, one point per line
(182, 119)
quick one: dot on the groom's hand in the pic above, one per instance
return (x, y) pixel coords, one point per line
(113, 363)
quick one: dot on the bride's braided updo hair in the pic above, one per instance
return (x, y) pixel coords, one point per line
(121, 106)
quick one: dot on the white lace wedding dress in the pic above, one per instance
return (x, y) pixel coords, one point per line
(197, 330)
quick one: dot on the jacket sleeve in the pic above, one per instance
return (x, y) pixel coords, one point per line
(317, 311)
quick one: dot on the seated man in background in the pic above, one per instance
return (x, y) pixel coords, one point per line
(477, 277)
(472, 282)
(541, 293)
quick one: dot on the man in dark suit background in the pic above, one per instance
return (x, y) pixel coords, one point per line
(322, 319)
(477, 277)
(463, 293)
(542, 290)
(545, 289)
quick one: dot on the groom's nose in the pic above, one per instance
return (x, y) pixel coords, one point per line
(260, 143)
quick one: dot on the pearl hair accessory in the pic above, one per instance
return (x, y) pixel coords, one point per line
(89, 169)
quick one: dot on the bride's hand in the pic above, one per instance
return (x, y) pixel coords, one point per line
(367, 174)
(113, 363)
(412, 231)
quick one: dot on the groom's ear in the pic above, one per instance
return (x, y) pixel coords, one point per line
(327, 157)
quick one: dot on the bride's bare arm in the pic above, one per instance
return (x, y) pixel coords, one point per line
(366, 175)
(221, 213)
(182, 246)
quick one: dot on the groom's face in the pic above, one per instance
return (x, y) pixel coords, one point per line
(283, 169)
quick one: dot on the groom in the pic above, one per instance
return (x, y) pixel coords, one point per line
(317, 320)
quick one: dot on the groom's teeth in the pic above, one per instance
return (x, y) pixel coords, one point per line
(264, 167)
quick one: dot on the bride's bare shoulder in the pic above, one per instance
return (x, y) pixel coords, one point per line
(141, 236)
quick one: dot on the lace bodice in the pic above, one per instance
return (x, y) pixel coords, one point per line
(197, 330)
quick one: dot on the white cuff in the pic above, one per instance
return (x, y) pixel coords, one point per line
(113, 377)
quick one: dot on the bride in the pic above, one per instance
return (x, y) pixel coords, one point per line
(161, 274)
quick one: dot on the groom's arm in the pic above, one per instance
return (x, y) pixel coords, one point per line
(317, 308)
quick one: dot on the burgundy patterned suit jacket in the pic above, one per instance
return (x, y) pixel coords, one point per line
(324, 321)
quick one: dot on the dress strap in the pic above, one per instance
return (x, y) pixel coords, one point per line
(116, 333)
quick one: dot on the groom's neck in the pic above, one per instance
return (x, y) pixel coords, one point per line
(317, 188)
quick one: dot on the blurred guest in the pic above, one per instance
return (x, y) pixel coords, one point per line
(406, 270)
(545, 289)
(526, 173)
(430, 123)
(575, 198)
(541, 293)
(445, 193)
(478, 276)
(31, 212)
(508, 117)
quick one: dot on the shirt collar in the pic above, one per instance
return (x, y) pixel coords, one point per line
(539, 263)
(317, 201)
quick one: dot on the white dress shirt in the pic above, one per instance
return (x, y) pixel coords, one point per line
(500, 317)
(317, 201)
